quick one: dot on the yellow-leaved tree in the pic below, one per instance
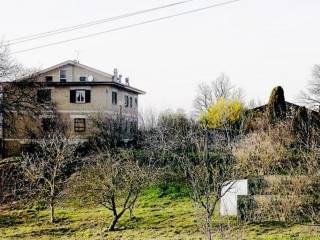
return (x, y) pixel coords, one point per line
(225, 112)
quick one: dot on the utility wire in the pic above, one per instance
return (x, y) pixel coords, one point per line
(128, 26)
(89, 24)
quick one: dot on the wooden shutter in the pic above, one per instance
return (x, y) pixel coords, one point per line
(88, 96)
(72, 96)
(40, 96)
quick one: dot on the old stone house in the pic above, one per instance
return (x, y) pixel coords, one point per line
(79, 94)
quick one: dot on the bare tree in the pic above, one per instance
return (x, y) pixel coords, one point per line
(222, 87)
(163, 141)
(9, 68)
(208, 94)
(22, 98)
(208, 169)
(201, 156)
(113, 180)
(18, 97)
(19, 93)
(204, 97)
(48, 167)
(311, 96)
(110, 133)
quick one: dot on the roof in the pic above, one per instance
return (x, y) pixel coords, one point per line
(263, 107)
(77, 64)
(290, 105)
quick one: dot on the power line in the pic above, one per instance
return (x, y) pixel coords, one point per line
(89, 24)
(128, 26)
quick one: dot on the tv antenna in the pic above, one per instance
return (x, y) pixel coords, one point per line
(77, 55)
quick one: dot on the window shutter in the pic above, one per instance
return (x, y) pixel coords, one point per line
(72, 96)
(40, 96)
(88, 96)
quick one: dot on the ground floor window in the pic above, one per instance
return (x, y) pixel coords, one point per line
(48, 124)
(28, 148)
(79, 124)
(44, 96)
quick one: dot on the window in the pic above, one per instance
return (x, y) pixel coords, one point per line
(44, 96)
(83, 79)
(79, 124)
(126, 101)
(114, 98)
(80, 96)
(131, 102)
(49, 78)
(136, 101)
(63, 75)
(28, 148)
(48, 124)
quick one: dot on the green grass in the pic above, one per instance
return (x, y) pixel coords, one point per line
(158, 216)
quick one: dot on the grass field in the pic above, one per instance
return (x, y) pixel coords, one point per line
(168, 217)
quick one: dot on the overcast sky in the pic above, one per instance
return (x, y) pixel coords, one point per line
(258, 43)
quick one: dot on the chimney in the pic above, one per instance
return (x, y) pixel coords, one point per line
(120, 78)
(115, 75)
(127, 81)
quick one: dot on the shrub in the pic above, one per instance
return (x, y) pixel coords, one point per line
(223, 113)
(257, 185)
(247, 207)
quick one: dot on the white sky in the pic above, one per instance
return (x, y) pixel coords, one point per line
(258, 43)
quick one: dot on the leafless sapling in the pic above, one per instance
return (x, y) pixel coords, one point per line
(113, 180)
(49, 167)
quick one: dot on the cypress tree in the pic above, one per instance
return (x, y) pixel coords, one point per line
(277, 105)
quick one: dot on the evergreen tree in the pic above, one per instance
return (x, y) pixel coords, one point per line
(277, 106)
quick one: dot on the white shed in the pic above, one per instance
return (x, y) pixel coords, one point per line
(230, 192)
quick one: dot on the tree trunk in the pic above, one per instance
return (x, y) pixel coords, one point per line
(209, 227)
(113, 223)
(131, 214)
(221, 231)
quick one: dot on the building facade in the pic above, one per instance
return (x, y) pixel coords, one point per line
(79, 94)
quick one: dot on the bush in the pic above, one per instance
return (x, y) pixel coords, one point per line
(247, 207)
(286, 208)
(40, 205)
(257, 185)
